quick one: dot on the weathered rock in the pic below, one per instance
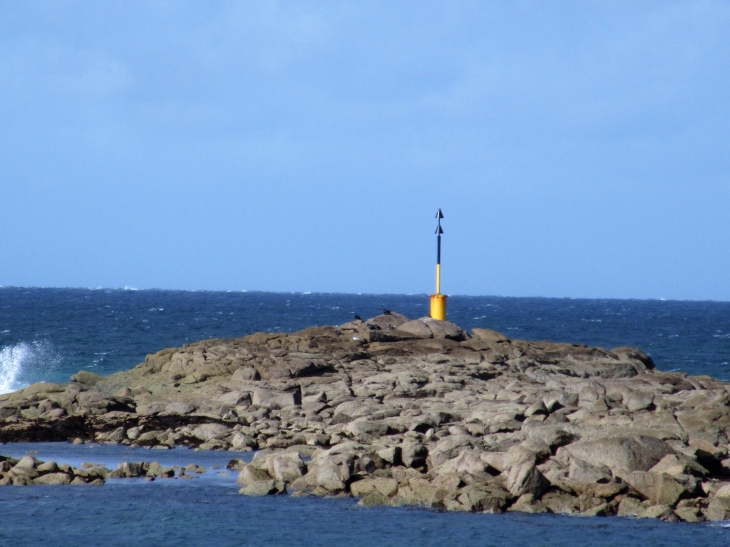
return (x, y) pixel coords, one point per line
(448, 448)
(329, 476)
(208, 432)
(286, 467)
(627, 453)
(246, 374)
(717, 509)
(413, 453)
(629, 507)
(239, 441)
(264, 397)
(478, 499)
(385, 486)
(47, 467)
(87, 378)
(662, 489)
(561, 503)
(489, 336)
(26, 462)
(406, 412)
(373, 499)
(261, 488)
(524, 477)
(179, 408)
(416, 327)
(689, 514)
(250, 474)
(52, 478)
(661, 512)
(583, 472)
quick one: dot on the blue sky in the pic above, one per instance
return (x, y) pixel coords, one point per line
(576, 148)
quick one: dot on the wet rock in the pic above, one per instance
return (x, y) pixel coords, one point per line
(661, 512)
(629, 507)
(478, 499)
(262, 488)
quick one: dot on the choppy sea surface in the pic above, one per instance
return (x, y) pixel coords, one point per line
(49, 334)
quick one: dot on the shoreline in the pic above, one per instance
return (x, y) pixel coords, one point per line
(400, 412)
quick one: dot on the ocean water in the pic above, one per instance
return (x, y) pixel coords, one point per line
(49, 334)
(209, 511)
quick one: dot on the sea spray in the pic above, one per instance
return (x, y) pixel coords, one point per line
(22, 360)
(11, 362)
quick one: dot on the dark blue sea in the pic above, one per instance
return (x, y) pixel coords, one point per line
(49, 334)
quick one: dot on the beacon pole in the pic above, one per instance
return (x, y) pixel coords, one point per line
(438, 300)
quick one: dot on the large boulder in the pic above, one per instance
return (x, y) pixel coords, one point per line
(417, 327)
(53, 478)
(448, 448)
(207, 432)
(523, 476)
(332, 475)
(250, 475)
(619, 454)
(426, 327)
(478, 498)
(286, 467)
(387, 321)
(413, 453)
(383, 485)
(661, 489)
(86, 378)
(263, 397)
(179, 408)
(489, 336)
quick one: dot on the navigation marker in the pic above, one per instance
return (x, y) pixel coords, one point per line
(438, 300)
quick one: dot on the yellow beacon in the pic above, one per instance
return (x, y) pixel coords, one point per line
(438, 300)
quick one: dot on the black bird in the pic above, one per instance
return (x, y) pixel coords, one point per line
(357, 317)
(387, 312)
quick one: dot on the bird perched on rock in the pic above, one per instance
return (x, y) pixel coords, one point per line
(387, 312)
(358, 318)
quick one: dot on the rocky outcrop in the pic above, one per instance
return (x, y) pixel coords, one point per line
(396, 411)
(27, 471)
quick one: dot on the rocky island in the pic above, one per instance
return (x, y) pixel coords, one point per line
(398, 411)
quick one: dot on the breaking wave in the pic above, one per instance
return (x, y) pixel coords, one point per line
(21, 359)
